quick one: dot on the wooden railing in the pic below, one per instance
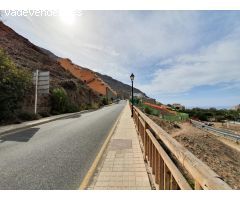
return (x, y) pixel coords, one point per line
(166, 174)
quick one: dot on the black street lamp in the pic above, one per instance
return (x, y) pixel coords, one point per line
(132, 78)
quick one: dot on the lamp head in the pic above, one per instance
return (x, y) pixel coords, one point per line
(132, 77)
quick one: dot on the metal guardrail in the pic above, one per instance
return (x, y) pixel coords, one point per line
(167, 176)
(234, 122)
(225, 133)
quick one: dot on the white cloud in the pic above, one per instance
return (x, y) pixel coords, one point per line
(211, 65)
(102, 39)
(171, 52)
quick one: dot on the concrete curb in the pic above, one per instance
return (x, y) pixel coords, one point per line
(20, 127)
(41, 121)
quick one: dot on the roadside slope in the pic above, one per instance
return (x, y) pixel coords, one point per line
(28, 56)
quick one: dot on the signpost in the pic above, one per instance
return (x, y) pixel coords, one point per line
(41, 82)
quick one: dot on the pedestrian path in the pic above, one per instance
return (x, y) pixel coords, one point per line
(122, 166)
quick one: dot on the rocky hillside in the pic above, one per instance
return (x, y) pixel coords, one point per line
(122, 89)
(31, 57)
(88, 77)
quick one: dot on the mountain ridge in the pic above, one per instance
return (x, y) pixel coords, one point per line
(120, 87)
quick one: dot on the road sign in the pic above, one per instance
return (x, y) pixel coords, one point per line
(41, 82)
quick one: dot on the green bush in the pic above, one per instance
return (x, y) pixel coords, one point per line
(61, 103)
(14, 82)
(85, 106)
(71, 108)
(44, 114)
(151, 111)
(104, 101)
(95, 106)
(26, 116)
(213, 113)
(148, 110)
(135, 101)
(90, 106)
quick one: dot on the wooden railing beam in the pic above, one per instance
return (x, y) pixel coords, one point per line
(201, 173)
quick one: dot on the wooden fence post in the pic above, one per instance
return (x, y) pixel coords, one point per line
(157, 167)
(167, 177)
(161, 173)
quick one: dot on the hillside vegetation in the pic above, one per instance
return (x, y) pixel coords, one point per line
(213, 114)
(16, 86)
(22, 58)
(14, 83)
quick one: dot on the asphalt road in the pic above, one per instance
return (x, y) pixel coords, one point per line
(222, 132)
(56, 155)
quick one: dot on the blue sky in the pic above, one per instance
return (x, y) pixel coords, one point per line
(188, 57)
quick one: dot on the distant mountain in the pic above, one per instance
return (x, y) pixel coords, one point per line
(122, 89)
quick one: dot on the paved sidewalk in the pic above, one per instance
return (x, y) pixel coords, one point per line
(122, 165)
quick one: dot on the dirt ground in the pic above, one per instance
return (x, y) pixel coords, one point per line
(167, 126)
(219, 156)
